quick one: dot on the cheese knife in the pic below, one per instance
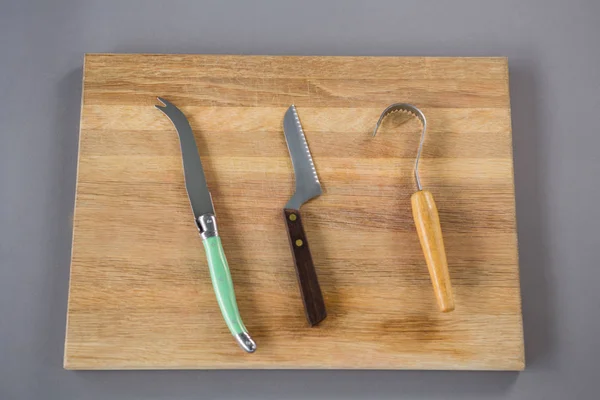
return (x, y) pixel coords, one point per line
(307, 187)
(206, 222)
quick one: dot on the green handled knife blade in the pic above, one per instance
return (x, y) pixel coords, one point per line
(206, 222)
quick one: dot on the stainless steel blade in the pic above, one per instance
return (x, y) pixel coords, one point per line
(307, 181)
(195, 181)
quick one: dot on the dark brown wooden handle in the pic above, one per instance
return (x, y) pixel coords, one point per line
(314, 305)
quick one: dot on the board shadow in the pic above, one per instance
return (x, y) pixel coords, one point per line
(537, 302)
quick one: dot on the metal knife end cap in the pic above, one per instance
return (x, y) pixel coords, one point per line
(246, 342)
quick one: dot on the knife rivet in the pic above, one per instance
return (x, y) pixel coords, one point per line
(292, 217)
(299, 242)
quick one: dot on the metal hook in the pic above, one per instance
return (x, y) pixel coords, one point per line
(409, 108)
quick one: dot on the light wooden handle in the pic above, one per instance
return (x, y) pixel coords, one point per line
(428, 226)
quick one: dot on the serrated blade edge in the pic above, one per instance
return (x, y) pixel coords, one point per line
(307, 180)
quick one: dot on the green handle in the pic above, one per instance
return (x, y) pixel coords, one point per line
(223, 285)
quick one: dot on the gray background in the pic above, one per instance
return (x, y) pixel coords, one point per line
(554, 56)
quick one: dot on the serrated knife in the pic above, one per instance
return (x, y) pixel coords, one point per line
(206, 222)
(307, 187)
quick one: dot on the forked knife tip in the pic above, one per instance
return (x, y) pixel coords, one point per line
(161, 106)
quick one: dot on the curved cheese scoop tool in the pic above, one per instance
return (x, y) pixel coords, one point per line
(427, 220)
(307, 187)
(206, 222)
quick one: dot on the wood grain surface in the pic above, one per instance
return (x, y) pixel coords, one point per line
(140, 292)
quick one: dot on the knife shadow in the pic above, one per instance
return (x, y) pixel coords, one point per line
(321, 261)
(230, 235)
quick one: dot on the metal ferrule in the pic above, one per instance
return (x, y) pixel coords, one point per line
(207, 225)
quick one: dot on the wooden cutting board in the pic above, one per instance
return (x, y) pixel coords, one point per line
(140, 292)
